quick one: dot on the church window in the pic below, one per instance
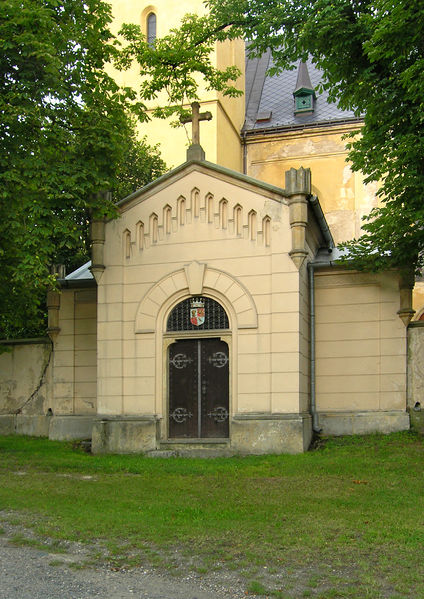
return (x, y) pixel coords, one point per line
(252, 225)
(167, 214)
(154, 228)
(140, 235)
(238, 219)
(223, 213)
(266, 230)
(197, 314)
(151, 28)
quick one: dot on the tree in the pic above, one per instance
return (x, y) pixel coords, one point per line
(371, 53)
(65, 131)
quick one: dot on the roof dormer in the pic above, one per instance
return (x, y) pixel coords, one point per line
(304, 93)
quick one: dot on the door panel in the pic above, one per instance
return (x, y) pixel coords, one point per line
(198, 389)
(214, 368)
(183, 375)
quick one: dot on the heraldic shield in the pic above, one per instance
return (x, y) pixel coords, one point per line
(198, 389)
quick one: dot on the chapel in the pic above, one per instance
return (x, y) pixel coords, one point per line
(215, 316)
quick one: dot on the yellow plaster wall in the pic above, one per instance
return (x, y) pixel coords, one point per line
(219, 137)
(360, 343)
(343, 196)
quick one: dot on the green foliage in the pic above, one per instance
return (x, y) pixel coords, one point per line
(142, 163)
(372, 57)
(63, 121)
(67, 133)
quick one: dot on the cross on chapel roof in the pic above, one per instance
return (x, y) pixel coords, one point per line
(195, 151)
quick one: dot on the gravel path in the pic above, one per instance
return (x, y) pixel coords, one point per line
(28, 573)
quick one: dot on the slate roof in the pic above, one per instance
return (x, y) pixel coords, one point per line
(270, 102)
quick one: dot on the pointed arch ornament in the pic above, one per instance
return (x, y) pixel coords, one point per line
(194, 279)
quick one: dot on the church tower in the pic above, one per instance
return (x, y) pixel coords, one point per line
(221, 135)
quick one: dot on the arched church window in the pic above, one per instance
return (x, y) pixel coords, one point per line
(151, 28)
(197, 314)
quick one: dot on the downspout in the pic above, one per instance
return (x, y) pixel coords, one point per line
(315, 424)
(311, 275)
(319, 215)
(244, 145)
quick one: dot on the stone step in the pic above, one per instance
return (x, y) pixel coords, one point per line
(191, 450)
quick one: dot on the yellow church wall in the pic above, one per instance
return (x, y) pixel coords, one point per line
(227, 113)
(360, 343)
(343, 196)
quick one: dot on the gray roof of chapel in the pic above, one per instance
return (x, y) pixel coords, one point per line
(270, 101)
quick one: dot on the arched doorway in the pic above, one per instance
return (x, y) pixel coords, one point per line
(198, 370)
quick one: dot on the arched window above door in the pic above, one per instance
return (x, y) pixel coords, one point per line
(197, 314)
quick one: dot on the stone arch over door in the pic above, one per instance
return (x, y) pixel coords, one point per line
(154, 308)
(194, 279)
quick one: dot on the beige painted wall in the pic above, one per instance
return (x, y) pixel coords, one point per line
(75, 354)
(255, 280)
(343, 196)
(23, 389)
(360, 343)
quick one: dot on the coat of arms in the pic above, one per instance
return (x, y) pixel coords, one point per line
(197, 312)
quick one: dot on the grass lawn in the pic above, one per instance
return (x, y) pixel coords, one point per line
(343, 521)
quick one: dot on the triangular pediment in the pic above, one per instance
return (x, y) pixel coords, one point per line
(206, 168)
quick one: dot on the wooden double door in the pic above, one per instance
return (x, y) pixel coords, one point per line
(198, 384)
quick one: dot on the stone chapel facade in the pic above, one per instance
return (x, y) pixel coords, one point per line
(214, 315)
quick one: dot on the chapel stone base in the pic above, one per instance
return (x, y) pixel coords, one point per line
(363, 423)
(69, 428)
(58, 428)
(250, 434)
(271, 433)
(124, 434)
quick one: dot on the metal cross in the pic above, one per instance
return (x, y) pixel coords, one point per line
(195, 118)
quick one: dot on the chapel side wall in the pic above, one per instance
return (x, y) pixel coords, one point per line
(74, 371)
(361, 353)
(25, 389)
(85, 362)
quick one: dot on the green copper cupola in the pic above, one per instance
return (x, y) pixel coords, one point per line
(304, 93)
